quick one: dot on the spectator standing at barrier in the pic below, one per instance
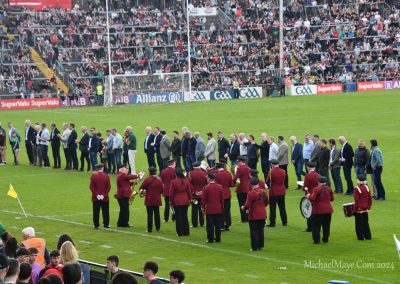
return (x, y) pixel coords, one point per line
(308, 147)
(84, 148)
(346, 159)
(64, 140)
(55, 145)
(29, 141)
(148, 149)
(200, 147)
(211, 148)
(112, 267)
(100, 187)
(283, 158)
(150, 269)
(176, 148)
(223, 146)
(35, 266)
(176, 277)
(235, 88)
(334, 165)
(112, 166)
(165, 149)
(264, 154)
(152, 188)
(117, 147)
(131, 144)
(361, 158)
(93, 146)
(167, 176)
(44, 145)
(377, 169)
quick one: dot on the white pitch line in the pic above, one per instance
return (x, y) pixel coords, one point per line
(218, 269)
(186, 263)
(106, 246)
(251, 276)
(86, 242)
(213, 248)
(158, 257)
(129, 252)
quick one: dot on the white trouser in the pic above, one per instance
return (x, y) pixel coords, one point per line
(131, 157)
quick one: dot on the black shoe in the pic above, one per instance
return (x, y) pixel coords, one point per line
(316, 243)
(270, 225)
(284, 224)
(325, 241)
(218, 241)
(107, 227)
(96, 227)
(227, 229)
(306, 230)
(210, 241)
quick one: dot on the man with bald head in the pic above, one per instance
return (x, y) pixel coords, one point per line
(264, 154)
(346, 159)
(131, 143)
(148, 149)
(30, 139)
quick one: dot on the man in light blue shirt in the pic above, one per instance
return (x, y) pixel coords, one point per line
(308, 147)
(44, 145)
(117, 146)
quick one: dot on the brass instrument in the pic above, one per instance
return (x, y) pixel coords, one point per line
(142, 193)
(132, 197)
(194, 201)
(134, 192)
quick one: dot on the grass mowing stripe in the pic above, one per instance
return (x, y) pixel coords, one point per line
(199, 246)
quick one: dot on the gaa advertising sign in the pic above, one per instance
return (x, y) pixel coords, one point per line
(198, 96)
(29, 103)
(244, 93)
(303, 90)
(392, 85)
(370, 86)
(152, 98)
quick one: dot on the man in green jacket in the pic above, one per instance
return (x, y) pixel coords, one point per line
(131, 144)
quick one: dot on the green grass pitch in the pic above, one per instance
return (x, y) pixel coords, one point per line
(59, 202)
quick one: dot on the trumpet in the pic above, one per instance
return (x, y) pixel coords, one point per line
(132, 197)
(142, 193)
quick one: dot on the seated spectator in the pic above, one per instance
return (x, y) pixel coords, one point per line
(13, 271)
(150, 269)
(25, 271)
(72, 273)
(55, 267)
(23, 255)
(123, 278)
(69, 254)
(35, 266)
(176, 277)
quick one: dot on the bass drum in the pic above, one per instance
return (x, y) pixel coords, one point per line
(305, 207)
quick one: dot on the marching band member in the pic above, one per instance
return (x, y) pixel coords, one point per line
(100, 187)
(242, 179)
(224, 178)
(310, 182)
(362, 204)
(167, 175)
(212, 204)
(124, 192)
(198, 180)
(180, 196)
(152, 188)
(276, 183)
(254, 173)
(256, 202)
(322, 210)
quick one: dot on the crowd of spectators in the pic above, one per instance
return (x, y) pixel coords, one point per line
(30, 261)
(324, 41)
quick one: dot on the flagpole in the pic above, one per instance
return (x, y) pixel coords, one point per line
(23, 210)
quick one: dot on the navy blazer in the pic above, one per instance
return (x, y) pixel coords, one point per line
(192, 147)
(71, 140)
(84, 143)
(150, 149)
(157, 141)
(347, 153)
(297, 153)
(223, 147)
(94, 145)
(234, 151)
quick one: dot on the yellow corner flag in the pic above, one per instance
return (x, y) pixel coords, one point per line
(11, 192)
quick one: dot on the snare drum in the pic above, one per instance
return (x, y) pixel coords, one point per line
(348, 209)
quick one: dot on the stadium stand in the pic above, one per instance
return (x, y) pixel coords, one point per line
(324, 41)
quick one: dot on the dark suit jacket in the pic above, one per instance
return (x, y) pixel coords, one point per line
(176, 147)
(31, 135)
(55, 141)
(94, 146)
(264, 152)
(234, 151)
(324, 156)
(297, 153)
(348, 154)
(223, 147)
(184, 146)
(192, 146)
(150, 149)
(84, 143)
(71, 140)
(157, 141)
